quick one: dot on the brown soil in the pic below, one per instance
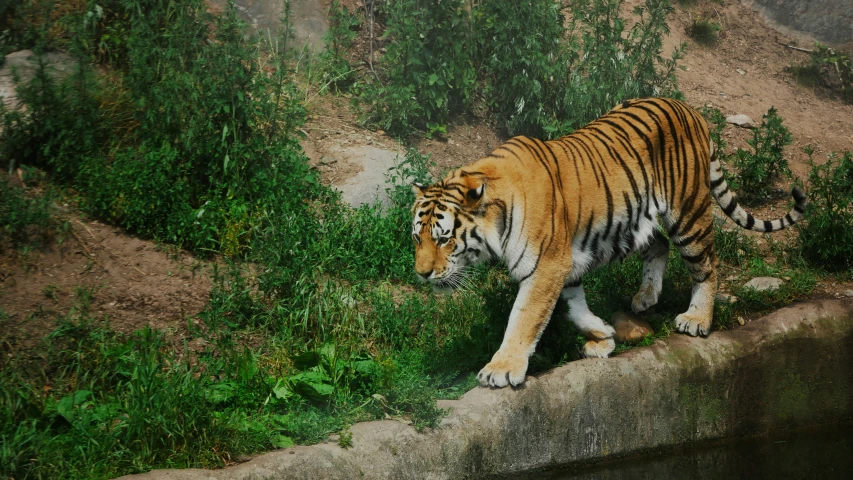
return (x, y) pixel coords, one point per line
(136, 283)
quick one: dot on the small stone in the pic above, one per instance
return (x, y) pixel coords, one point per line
(740, 71)
(849, 293)
(629, 327)
(741, 321)
(726, 298)
(740, 120)
(763, 284)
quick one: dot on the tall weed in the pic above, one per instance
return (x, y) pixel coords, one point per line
(826, 236)
(757, 170)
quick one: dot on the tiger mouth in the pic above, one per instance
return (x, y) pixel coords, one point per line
(449, 283)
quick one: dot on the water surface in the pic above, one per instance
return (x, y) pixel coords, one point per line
(814, 455)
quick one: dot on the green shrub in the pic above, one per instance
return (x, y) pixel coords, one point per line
(22, 215)
(829, 68)
(826, 234)
(186, 138)
(338, 72)
(704, 31)
(538, 75)
(545, 80)
(757, 170)
(427, 72)
(609, 65)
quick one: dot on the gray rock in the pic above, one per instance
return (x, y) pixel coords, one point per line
(307, 19)
(740, 120)
(23, 64)
(726, 298)
(848, 293)
(629, 327)
(764, 284)
(369, 184)
(829, 21)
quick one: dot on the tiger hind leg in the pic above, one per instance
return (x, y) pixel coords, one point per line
(697, 251)
(599, 335)
(654, 266)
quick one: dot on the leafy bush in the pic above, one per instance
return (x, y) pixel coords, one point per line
(338, 72)
(522, 50)
(21, 214)
(186, 137)
(610, 65)
(757, 170)
(829, 68)
(428, 69)
(538, 77)
(826, 236)
(704, 31)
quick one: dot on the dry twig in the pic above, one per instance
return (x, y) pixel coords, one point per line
(795, 48)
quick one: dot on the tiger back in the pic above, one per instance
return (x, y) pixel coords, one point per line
(553, 210)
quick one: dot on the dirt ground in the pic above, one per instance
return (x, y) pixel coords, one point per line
(133, 282)
(137, 283)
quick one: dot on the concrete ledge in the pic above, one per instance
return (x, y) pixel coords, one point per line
(793, 368)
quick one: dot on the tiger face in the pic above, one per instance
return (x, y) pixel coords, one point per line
(445, 233)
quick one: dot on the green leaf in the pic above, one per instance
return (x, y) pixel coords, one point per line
(69, 404)
(314, 383)
(282, 390)
(282, 441)
(306, 360)
(433, 78)
(220, 392)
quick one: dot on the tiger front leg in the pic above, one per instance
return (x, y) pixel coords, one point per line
(697, 319)
(599, 335)
(529, 317)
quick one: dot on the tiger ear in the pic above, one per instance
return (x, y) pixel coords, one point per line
(419, 189)
(474, 195)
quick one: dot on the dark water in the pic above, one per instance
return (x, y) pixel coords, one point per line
(818, 455)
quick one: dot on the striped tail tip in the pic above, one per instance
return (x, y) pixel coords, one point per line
(800, 200)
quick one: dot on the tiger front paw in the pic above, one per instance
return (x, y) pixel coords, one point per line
(503, 370)
(595, 348)
(644, 299)
(692, 325)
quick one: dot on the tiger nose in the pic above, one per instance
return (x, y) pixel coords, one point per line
(426, 275)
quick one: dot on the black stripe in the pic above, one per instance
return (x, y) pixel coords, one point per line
(588, 232)
(716, 183)
(789, 219)
(768, 226)
(728, 209)
(512, 269)
(697, 258)
(750, 221)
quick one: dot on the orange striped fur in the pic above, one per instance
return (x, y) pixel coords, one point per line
(554, 210)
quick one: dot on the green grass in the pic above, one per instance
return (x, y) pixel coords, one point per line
(315, 320)
(25, 218)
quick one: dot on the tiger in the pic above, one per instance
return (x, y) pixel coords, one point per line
(551, 211)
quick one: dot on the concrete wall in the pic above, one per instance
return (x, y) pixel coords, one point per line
(791, 369)
(828, 21)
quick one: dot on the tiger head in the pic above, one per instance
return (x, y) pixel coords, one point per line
(446, 233)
